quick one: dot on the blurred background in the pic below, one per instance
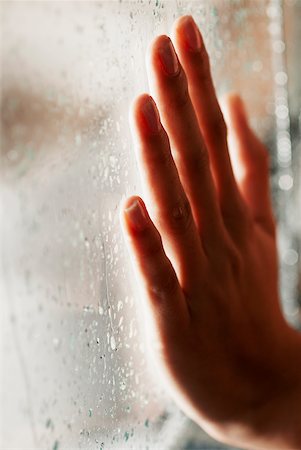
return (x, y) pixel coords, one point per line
(74, 370)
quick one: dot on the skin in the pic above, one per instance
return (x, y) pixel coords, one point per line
(204, 252)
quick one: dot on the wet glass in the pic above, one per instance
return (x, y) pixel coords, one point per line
(75, 373)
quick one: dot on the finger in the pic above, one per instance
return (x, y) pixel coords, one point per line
(153, 269)
(169, 84)
(169, 205)
(194, 58)
(250, 161)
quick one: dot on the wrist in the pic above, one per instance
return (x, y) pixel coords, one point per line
(277, 421)
(274, 418)
(283, 413)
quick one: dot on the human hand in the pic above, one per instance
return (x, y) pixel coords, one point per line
(206, 255)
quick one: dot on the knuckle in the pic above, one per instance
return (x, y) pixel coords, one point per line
(181, 93)
(181, 217)
(163, 285)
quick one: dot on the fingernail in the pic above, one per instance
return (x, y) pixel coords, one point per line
(151, 115)
(192, 34)
(136, 215)
(168, 57)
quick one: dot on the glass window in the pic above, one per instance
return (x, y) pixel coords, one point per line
(75, 373)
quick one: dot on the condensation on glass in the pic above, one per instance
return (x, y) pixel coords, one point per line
(75, 372)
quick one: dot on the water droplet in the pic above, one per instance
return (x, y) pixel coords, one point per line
(113, 343)
(122, 385)
(55, 445)
(286, 182)
(274, 28)
(257, 66)
(282, 112)
(56, 343)
(88, 308)
(290, 257)
(281, 78)
(119, 305)
(12, 155)
(273, 11)
(278, 46)
(126, 436)
(78, 139)
(49, 424)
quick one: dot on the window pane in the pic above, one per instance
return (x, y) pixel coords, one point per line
(75, 371)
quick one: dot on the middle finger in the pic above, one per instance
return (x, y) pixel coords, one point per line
(169, 83)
